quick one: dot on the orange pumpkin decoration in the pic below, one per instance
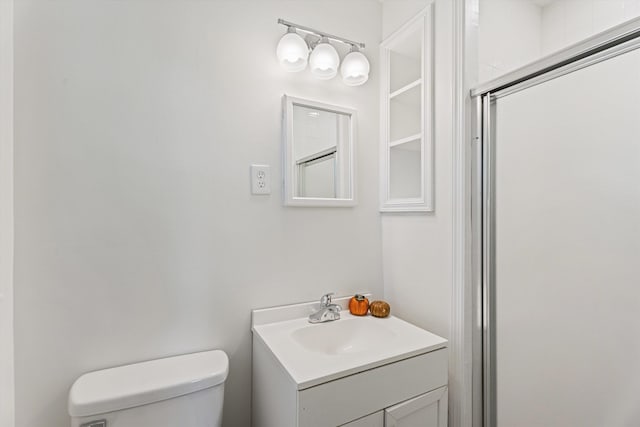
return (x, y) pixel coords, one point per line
(380, 308)
(358, 305)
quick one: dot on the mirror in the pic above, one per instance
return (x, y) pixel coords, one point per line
(319, 154)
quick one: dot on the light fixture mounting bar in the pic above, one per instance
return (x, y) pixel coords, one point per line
(320, 33)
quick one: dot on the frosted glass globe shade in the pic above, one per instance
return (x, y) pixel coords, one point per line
(355, 69)
(324, 61)
(292, 52)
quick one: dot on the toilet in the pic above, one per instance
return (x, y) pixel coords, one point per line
(180, 391)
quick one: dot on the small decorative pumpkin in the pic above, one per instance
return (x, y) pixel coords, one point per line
(379, 308)
(358, 305)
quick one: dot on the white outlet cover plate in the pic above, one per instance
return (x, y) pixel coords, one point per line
(260, 179)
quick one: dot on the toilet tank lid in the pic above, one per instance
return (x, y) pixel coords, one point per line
(139, 384)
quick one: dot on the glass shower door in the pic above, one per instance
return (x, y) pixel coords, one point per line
(566, 250)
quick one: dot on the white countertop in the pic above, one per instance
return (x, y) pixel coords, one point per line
(312, 362)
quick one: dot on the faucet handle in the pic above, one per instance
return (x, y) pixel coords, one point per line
(326, 299)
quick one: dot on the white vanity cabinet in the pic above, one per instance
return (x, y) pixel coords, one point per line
(426, 410)
(373, 420)
(407, 393)
(335, 380)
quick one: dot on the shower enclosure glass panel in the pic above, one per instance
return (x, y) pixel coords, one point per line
(566, 291)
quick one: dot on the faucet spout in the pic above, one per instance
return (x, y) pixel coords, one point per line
(327, 311)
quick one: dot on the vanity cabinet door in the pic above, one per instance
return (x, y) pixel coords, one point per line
(373, 420)
(426, 410)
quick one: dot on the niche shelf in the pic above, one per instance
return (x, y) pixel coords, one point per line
(412, 85)
(412, 138)
(406, 125)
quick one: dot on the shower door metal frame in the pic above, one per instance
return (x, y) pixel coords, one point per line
(608, 44)
(7, 358)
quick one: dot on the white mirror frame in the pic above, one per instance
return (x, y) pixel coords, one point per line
(289, 170)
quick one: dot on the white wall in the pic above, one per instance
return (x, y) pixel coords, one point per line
(6, 214)
(508, 36)
(397, 12)
(417, 248)
(565, 22)
(136, 235)
(405, 170)
(513, 33)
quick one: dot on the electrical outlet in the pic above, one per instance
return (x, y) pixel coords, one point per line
(260, 179)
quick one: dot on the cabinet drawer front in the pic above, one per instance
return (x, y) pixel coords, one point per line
(337, 402)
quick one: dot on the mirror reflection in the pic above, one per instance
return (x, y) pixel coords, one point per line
(320, 153)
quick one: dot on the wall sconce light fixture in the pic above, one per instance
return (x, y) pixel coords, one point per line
(292, 51)
(324, 60)
(293, 54)
(355, 68)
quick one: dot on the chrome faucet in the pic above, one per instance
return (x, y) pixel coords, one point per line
(327, 311)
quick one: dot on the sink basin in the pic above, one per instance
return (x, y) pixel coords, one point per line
(347, 335)
(313, 354)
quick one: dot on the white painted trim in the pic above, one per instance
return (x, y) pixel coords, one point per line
(461, 332)
(423, 21)
(7, 391)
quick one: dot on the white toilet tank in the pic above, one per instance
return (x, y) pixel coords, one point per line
(181, 391)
